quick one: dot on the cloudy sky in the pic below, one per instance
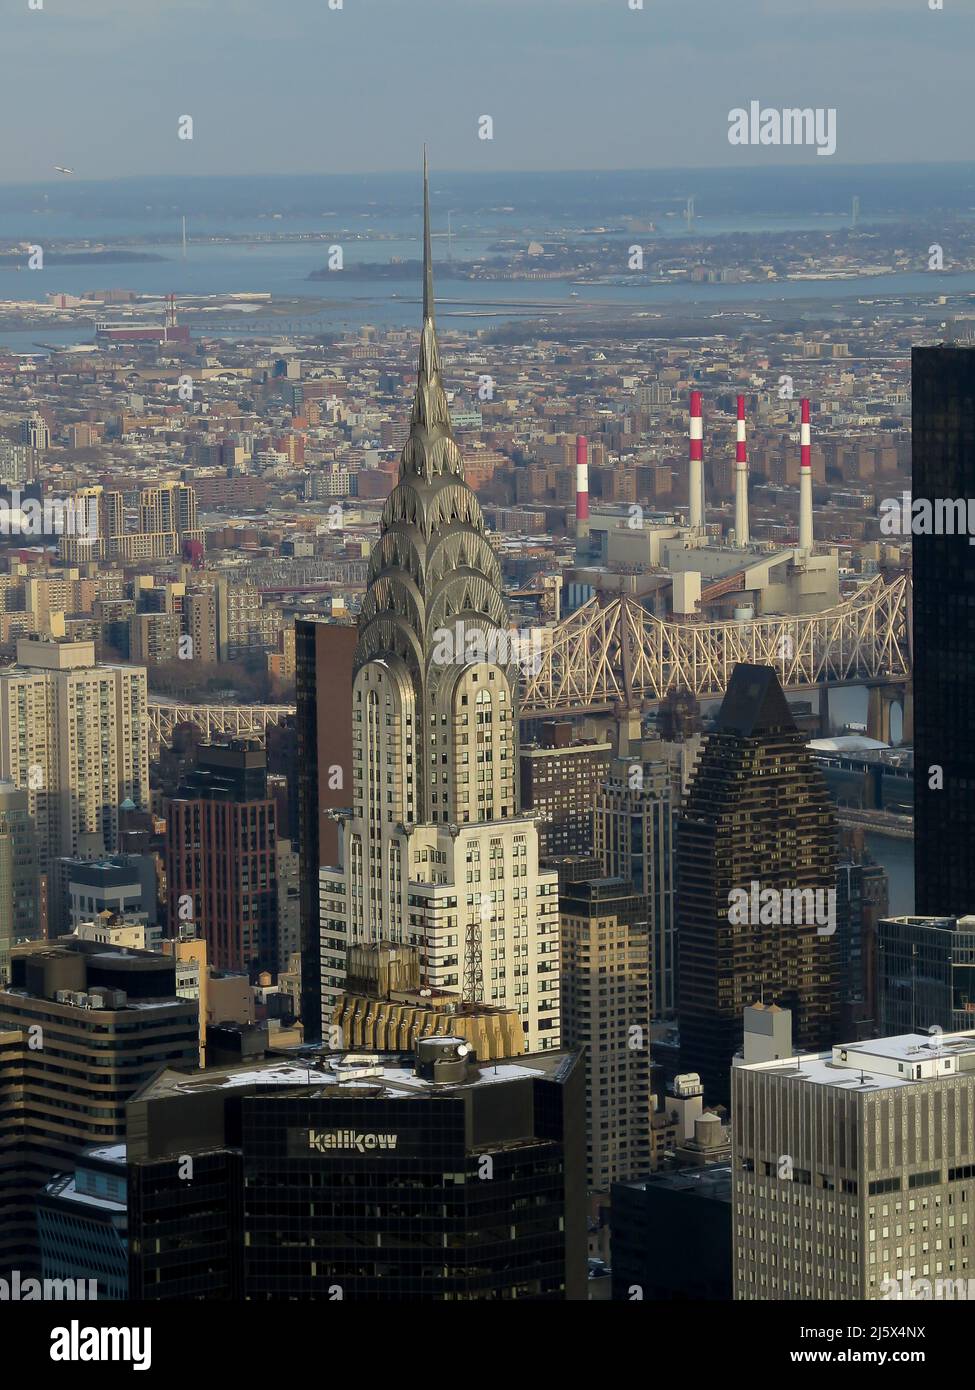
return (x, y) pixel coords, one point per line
(296, 86)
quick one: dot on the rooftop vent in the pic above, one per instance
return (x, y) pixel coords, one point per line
(444, 1059)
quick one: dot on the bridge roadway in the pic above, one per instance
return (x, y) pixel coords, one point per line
(616, 654)
(238, 720)
(886, 823)
(613, 655)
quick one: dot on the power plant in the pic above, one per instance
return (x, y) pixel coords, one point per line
(683, 570)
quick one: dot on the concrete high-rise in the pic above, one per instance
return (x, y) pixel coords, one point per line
(606, 958)
(560, 777)
(853, 1169)
(82, 1026)
(19, 904)
(200, 621)
(75, 735)
(943, 471)
(36, 432)
(167, 507)
(434, 851)
(635, 831)
(756, 873)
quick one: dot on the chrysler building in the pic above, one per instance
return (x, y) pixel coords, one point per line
(433, 849)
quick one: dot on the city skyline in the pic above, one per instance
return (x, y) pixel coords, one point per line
(462, 830)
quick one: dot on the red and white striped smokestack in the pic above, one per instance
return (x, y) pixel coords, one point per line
(582, 486)
(695, 482)
(805, 482)
(741, 479)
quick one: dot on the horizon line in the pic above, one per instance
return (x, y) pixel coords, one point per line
(738, 167)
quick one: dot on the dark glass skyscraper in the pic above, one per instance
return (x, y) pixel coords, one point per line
(943, 385)
(384, 1178)
(758, 817)
(926, 974)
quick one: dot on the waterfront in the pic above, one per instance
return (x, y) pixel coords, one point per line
(282, 271)
(376, 219)
(897, 857)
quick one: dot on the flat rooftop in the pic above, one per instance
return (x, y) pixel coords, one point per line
(392, 1073)
(908, 1059)
(67, 1189)
(106, 1153)
(712, 1181)
(966, 923)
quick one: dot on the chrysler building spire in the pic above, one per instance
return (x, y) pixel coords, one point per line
(434, 850)
(431, 448)
(433, 568)
(428, 311)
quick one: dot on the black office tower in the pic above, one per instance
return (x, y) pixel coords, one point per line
(756, 864)
(943, 385)
(367, 1178)
(671, 1236)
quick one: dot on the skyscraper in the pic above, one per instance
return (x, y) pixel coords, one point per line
(324, 651)
(943, 465)
(926, 970)
(853, 1169)
(606, 1014)
(382, 1178)
(434, 851)
(861, 901)
(75, 735)
(221, 863)
(82, 1026)
(559, 779)
(758, 822)
(82, 1221)
(36, 432)
(385, 1009)
(671, 1235)
(19, 906)
(167, 507)
(634, 821)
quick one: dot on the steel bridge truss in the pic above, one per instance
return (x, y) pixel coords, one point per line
(212, 719)
(616, 653)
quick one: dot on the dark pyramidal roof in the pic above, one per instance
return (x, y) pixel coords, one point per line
(754, 703)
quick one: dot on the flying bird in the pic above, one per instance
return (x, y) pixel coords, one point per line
(60, 169)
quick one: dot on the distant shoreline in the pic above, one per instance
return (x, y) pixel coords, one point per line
(17, 261)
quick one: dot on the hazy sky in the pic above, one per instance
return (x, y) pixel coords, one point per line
(293, 85)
